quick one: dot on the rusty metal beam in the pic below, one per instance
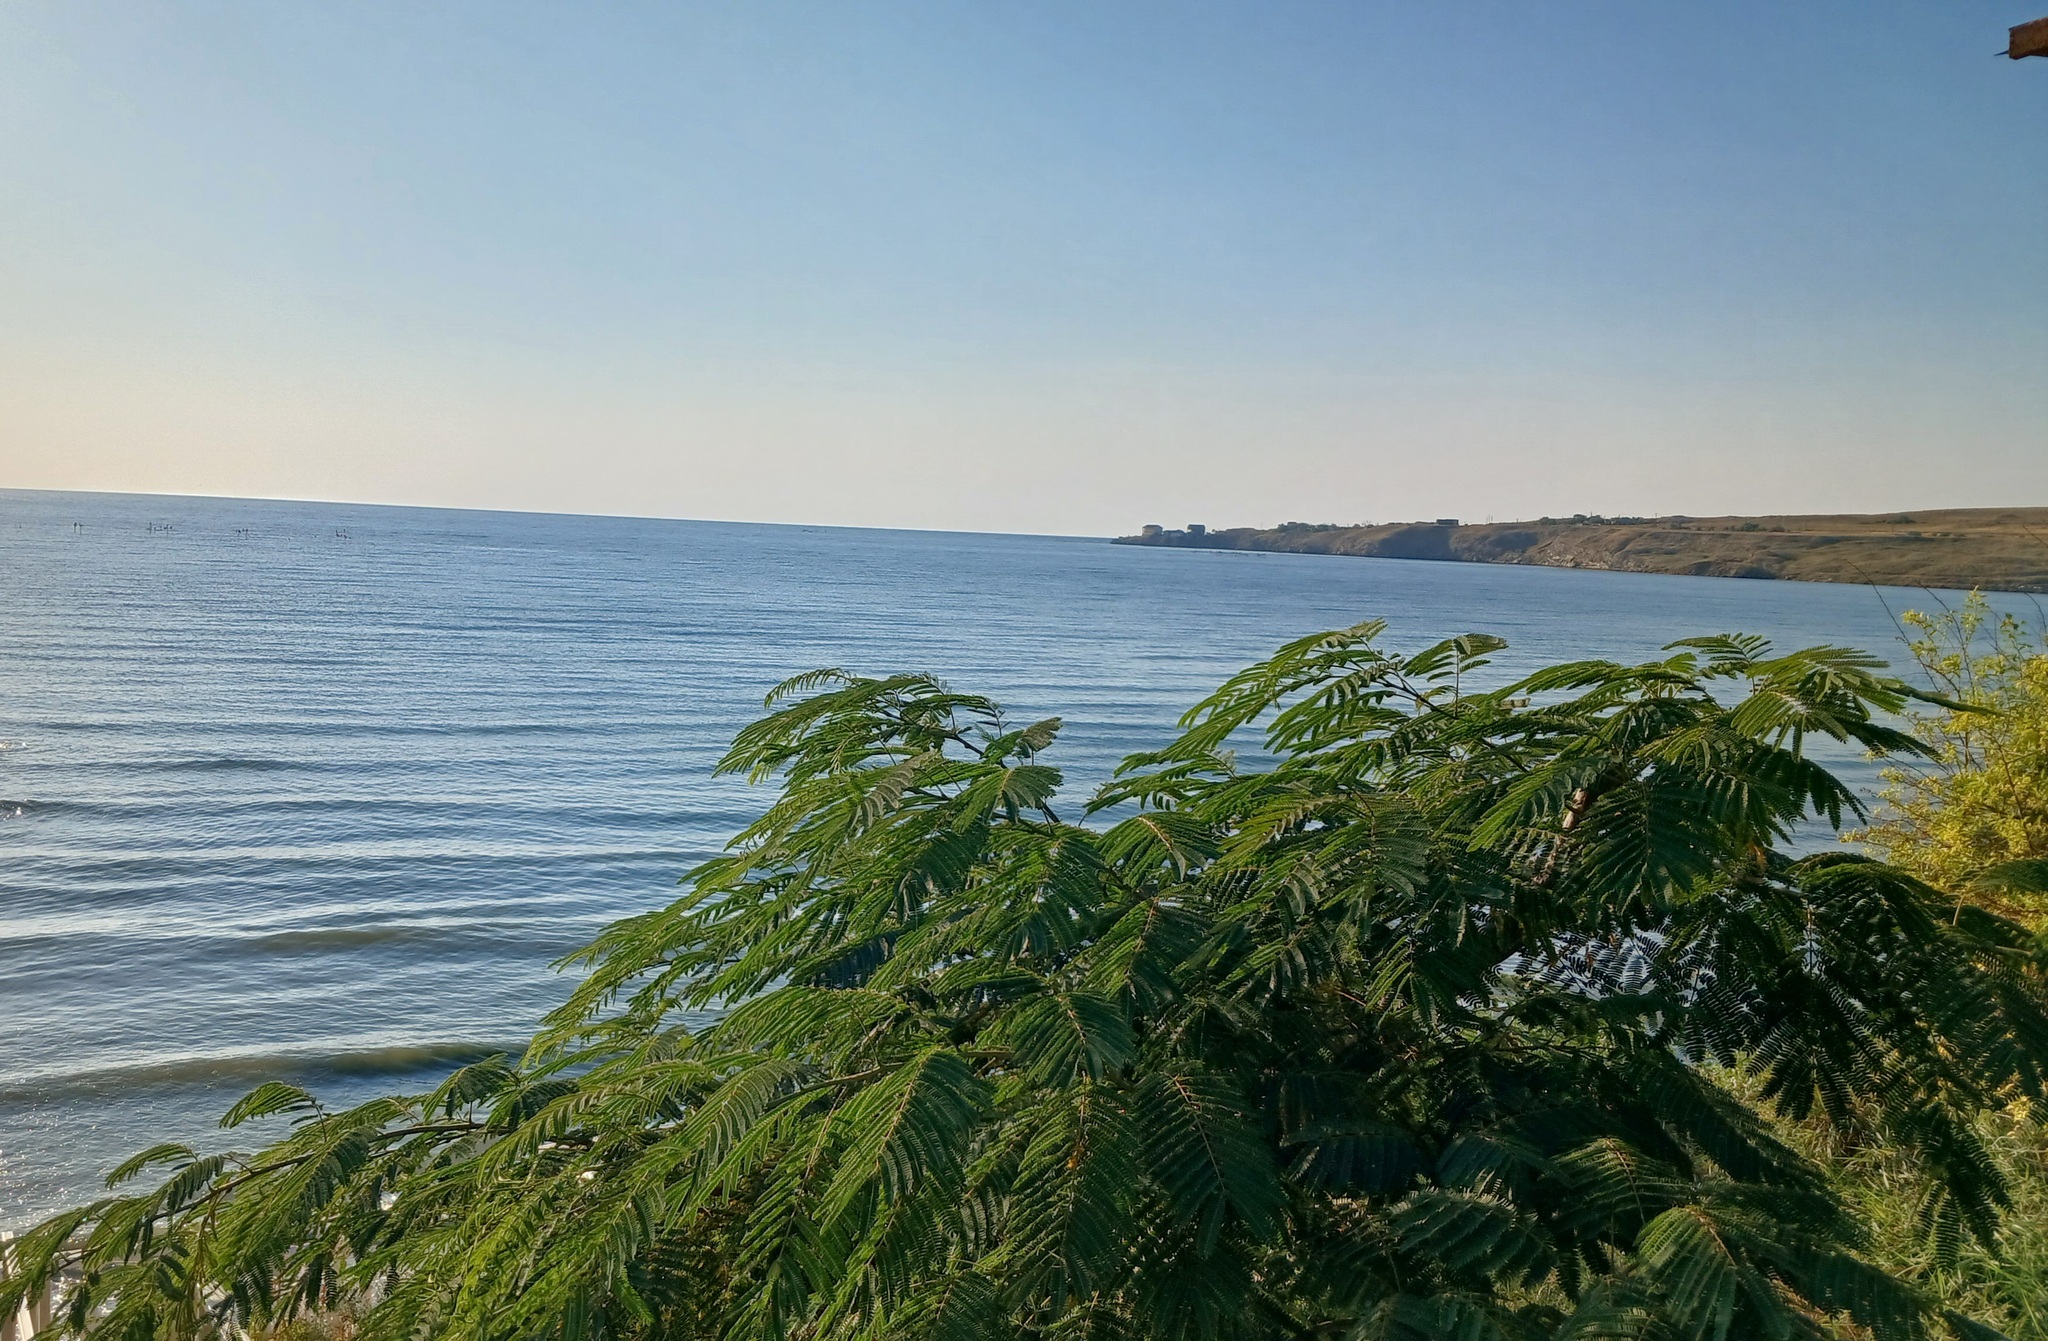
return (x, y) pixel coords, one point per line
(2029, 39)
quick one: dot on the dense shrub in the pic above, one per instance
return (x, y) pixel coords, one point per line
(1972, 806)
(1412, 1027)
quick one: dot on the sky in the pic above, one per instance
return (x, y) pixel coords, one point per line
(1054, 267)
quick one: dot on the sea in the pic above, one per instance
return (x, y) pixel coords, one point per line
(323, 792)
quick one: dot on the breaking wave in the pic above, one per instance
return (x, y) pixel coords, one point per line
(253, 1069)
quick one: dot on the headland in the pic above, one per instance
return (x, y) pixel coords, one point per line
(1999, 549)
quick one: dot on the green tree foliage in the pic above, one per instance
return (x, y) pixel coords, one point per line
(1398, 1029)
(1971, 813)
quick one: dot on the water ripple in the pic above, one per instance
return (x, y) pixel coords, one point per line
(277, 803)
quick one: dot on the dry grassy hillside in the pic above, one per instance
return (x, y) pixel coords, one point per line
(2002, 549)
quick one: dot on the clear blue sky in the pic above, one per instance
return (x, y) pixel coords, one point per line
(1053, 267)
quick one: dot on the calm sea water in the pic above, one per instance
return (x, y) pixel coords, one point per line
(321, 791)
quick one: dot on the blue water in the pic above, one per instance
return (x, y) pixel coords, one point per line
(321, 790)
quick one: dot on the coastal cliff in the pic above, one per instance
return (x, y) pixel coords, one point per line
(2000, 549)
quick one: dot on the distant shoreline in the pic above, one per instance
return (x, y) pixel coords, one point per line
(1998, 549)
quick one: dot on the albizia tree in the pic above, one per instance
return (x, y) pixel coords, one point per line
(1402, 1033)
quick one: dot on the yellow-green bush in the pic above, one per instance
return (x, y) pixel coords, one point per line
(1978, 802)
(1981, 798)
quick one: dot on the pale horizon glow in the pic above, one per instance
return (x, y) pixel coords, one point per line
(1059, 269)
